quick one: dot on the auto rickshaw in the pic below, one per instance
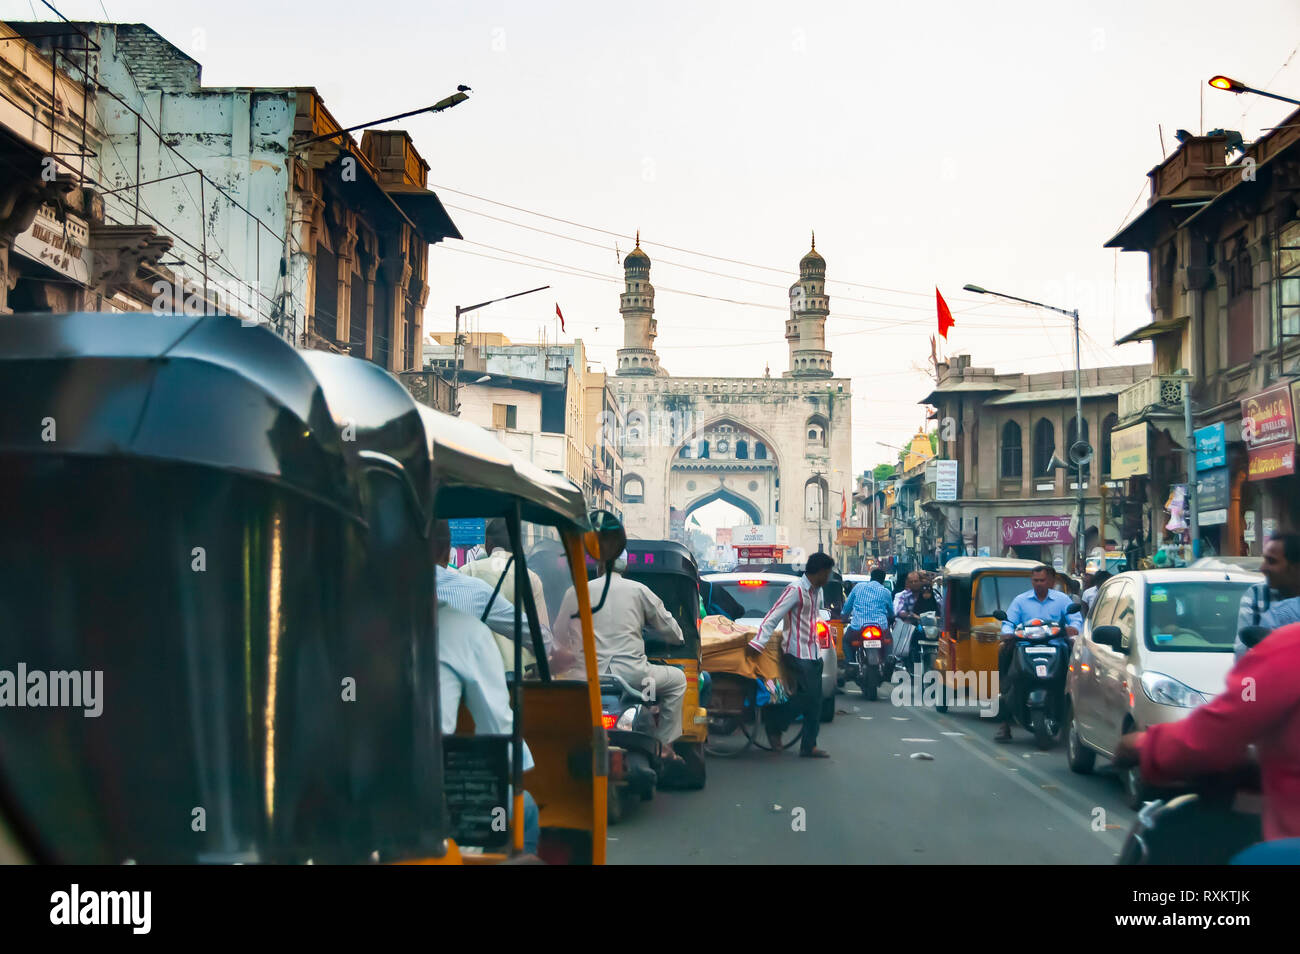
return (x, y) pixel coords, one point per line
(669, 569)
(237, 603)
(557, 714)
(974, 588)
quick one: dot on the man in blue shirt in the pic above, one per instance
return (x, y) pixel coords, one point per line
(869, 604)
(1043, 602)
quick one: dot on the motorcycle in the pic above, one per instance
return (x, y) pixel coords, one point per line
(1041, 654)
(634, 757)
(872, 661)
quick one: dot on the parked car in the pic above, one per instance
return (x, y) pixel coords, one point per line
(1156, 644)
(747, 598)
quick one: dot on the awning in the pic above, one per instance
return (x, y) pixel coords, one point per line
(1059, 394)
(1139, 235)
(964, 387)
(1154, 330)
(423, 207)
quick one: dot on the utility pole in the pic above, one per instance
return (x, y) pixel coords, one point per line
(455, 360)
(1193, 518)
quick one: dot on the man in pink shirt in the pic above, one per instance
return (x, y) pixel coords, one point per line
(1260, 706)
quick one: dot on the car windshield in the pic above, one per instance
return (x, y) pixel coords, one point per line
(1193, 617)
(996, 592)
(746, 599)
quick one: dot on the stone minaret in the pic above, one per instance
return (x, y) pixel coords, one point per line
(805, 329)
(637, 305)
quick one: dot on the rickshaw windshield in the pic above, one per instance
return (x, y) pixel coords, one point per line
(681, 598)
(996, 592)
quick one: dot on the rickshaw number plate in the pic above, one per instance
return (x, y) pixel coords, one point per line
(871, 643)
(1042, 670)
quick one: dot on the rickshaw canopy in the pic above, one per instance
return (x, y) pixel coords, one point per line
(474, 473)
(207, 391)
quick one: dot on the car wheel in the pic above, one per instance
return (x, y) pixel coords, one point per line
(828, 709)
(1081, 759)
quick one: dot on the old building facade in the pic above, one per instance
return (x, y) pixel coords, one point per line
(274, 214)
(1223, 241)
(1009, 433)
(779, 449)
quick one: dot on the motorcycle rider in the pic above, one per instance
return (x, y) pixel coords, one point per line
(630, 609)
(1276, 601)
(869, 604)
(1043, 602)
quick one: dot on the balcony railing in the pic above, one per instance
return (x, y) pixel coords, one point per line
(1160, 391)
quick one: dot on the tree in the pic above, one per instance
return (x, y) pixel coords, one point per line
(883, 471)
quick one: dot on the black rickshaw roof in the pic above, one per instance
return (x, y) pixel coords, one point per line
(208, 391)
(669, 557)
(377, 418)
(475, 475)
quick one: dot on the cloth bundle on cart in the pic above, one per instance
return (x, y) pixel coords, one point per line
(724, 648)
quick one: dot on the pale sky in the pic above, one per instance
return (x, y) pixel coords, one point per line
(928, 143)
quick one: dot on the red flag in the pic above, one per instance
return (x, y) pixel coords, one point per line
(945, 316)
(844, 509)
(559, 314)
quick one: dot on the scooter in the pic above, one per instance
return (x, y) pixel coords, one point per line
(1042, 653)
(872, 661)
(634, 757)
(1208, 825)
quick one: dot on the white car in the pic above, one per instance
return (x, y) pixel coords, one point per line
(1155, 645)
(747, 598)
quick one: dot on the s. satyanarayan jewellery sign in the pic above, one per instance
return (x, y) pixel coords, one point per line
(1128, 451)
(1018, 531)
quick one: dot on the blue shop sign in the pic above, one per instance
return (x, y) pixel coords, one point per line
(1211, 447)
(467, 533)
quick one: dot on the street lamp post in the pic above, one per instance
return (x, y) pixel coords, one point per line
(454, 99)
(1232, 86)
(1080, 451)
(455, 360)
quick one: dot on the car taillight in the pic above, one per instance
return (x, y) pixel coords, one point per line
(607, 720)
(823, 636)
(751, 583)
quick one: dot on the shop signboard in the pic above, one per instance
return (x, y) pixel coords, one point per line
(946, 480)
(1268, 428)
(1027, 531)
(1211, 447)
(1128, 451)
(1212, 496)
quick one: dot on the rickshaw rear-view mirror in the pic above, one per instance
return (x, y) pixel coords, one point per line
(1074, 607)
(1000, 615)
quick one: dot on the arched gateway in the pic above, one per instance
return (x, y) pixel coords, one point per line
(755, 442)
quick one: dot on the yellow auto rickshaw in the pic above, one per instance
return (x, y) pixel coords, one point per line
(974, 588)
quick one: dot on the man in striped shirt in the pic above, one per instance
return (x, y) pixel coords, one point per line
(796, 611)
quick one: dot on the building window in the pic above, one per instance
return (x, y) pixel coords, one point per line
(814, 499)
(704, 449)
(1073, 432)
(742, 450)
(505, 415)
(1012, 453)
(815, 428)
(1107, 426)
(1044, 447)
(760, 451)
(633, 489)
(685, 451)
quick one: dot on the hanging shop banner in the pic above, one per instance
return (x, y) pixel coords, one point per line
(1018, 531)
(945, 480)
(1211, 447)
(468, 532)
(1128, 451)
(1268, 428)
(1212, 496)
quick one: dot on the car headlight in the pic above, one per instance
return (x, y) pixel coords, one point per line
(1169, 691)
(627, 721)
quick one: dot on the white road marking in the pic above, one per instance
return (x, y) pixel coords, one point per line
(918, 740)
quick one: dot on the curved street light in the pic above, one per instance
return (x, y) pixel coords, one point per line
(1228, 84)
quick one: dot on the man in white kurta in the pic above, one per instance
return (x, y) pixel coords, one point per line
(629, 610)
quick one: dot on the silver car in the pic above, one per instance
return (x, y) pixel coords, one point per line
(1155, 645)
(747, 598)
